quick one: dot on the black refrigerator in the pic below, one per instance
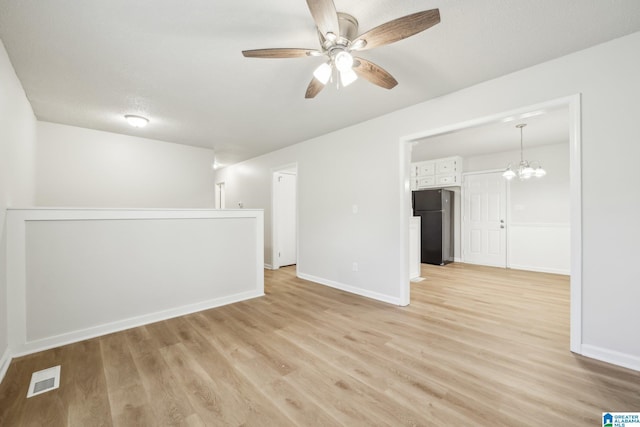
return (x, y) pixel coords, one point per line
(435, 208)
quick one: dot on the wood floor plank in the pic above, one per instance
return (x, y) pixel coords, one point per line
(13, 390)
(166, 396)
(291, 401)
(477, 346)
(127, 396)
(84, 372)
(241, 397)
(132, 415)
(206, 397)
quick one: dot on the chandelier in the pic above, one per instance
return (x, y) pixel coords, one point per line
(525, 169)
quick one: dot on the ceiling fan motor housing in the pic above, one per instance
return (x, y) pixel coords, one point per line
(348, 31)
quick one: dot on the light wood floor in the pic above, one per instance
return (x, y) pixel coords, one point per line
(477, 346)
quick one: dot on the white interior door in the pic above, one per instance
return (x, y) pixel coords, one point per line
(484, 219)
(285, 219)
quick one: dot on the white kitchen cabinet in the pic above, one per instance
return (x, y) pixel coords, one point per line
(426, 181)
(445, 180)
(426, 168)
(446, 172)
(446, 166)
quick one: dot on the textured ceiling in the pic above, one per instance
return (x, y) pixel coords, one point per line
(86, 63)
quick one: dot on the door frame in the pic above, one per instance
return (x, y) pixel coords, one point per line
(220, 201)
(575, 176)
(275, 262)
(506, 214)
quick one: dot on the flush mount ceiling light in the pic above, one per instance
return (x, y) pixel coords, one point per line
(338, 34)
(526, 169)
(136, 121)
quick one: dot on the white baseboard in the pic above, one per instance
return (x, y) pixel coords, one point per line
(5, 361)
(486, 264)
(350, 289)
(121, 325)
(268, 266)
(540, 269)
(614, 357)
(456, 259)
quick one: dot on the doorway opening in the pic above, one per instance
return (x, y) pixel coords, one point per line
(572, 105)
(220, 195)
(284, 221)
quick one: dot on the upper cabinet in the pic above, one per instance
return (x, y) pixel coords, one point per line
(436, 173)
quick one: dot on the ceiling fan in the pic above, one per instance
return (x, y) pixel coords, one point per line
(338, 39)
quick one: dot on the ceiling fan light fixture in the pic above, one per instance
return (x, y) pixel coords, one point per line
(343, 61)
(358, 44)
(347, 77)
(323, 73)
(338, 36)
(136, 121)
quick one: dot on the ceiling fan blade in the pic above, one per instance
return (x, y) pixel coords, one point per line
(374, 73)
(325, 15)
(280, 53)
(314, 88)
(397, 29)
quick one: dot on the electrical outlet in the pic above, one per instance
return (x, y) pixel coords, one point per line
(354, 266)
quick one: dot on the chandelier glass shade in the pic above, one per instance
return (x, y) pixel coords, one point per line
(525, 170)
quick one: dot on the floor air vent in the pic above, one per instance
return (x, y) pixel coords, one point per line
(44, 381)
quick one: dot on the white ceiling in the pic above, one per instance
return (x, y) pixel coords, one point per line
(543, 128)
(86, 63)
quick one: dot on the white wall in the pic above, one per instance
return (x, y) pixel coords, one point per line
(78, 167)
(333, 175)
(362, 165)
(17, 160)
